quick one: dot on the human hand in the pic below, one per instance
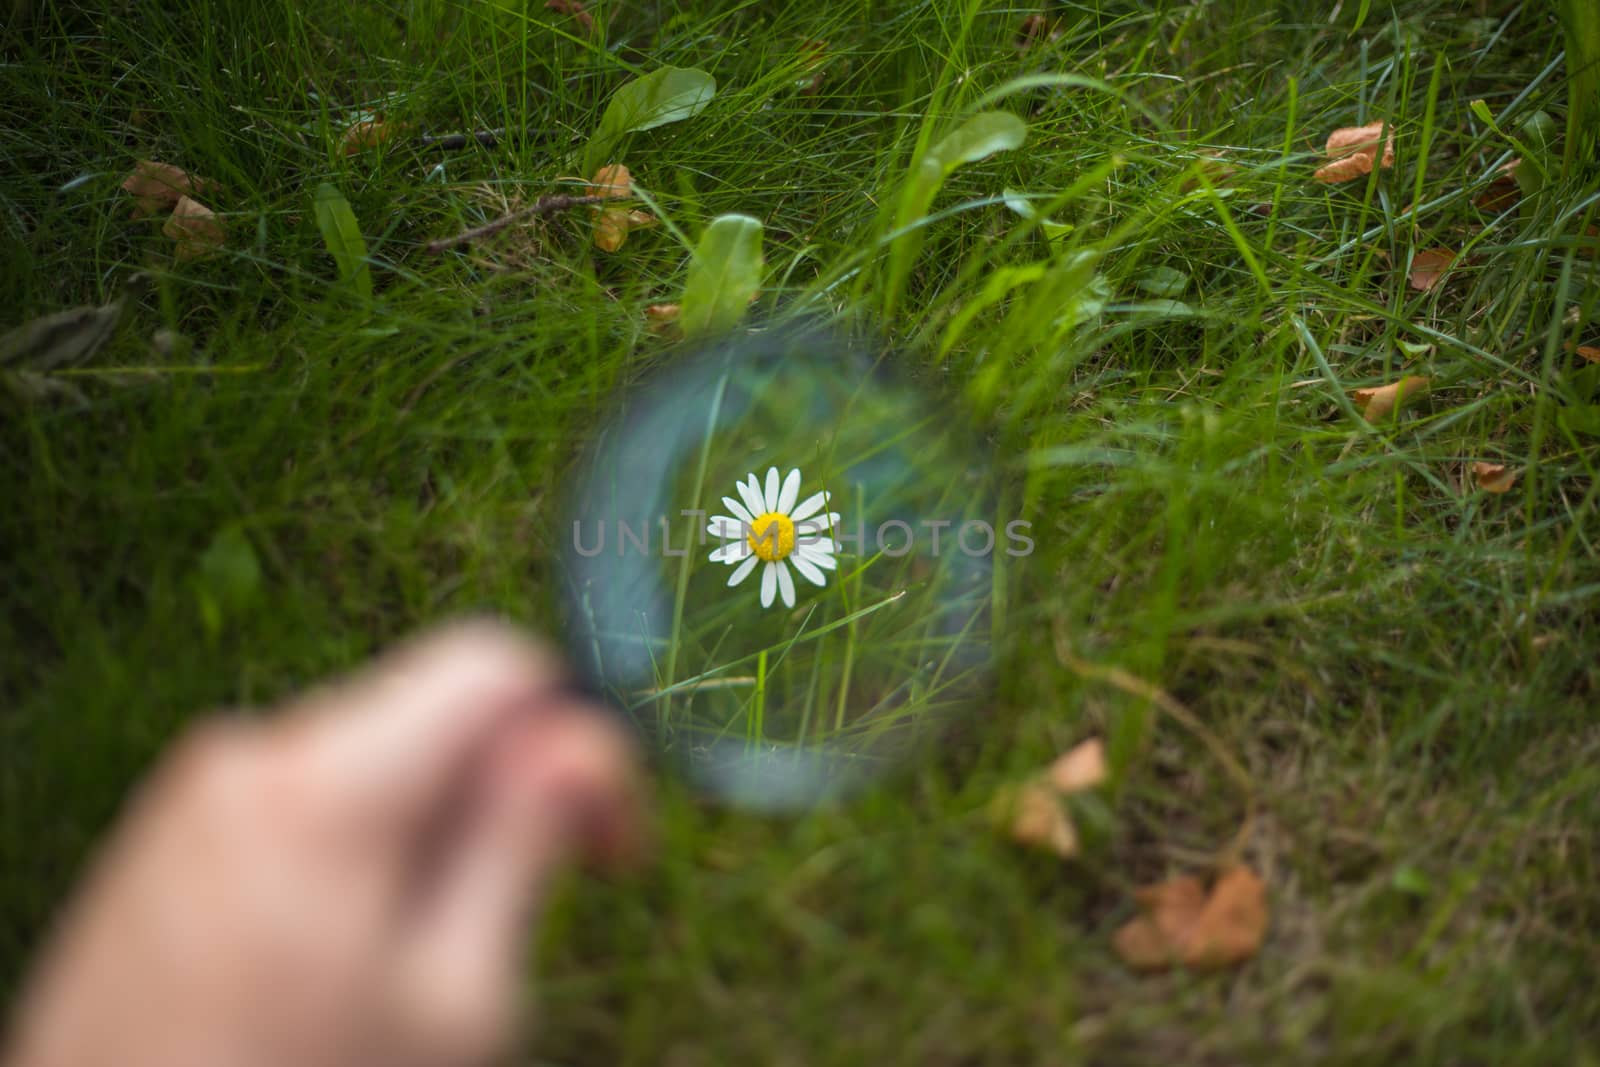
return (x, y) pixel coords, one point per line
(344, 883)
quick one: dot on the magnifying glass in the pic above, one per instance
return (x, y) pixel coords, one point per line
(783, 563)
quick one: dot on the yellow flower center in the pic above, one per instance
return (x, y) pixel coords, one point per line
(771, 536)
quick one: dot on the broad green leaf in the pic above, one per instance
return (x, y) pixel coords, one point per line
(670, 94)
(1163, 281)
(226, 579)
(1581, 20)
(1585, 419)
(980, 137)
(723, 275)
(342, 234)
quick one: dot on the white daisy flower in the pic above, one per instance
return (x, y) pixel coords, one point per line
(765, 528)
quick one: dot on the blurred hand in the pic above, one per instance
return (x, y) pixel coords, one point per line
(347, 882)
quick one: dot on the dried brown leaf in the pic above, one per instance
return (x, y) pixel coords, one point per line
(574, 8)
(1031, 815)
(195, 228)
(1181, 923)
(1233, 924)
(159, 186)
(1428, 267)
(612, 181)
(661, 317)
(1354, 150)
(1080, 768)
(368, 133)
(1503, 192)
(1588, 352)
(1494, 477)
(1379, 401)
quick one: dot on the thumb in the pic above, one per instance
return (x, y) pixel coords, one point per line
(559, 781)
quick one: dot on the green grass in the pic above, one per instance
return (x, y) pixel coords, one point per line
(1403, 667)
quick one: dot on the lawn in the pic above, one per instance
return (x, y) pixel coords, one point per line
(1315, 639)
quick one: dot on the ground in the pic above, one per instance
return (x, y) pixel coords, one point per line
(1237, 564)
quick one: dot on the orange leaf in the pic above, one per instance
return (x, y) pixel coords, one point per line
(1494, 477)
(1353, 151)
(1031, 815)
(1080, 768)
(612, 181)
(574, 8)
(1503, 192)
(659, 317)
(1181, 923)
(1588, 352)
(157, 186)
(611, 229)
(1233, 924)
(195, 228)
(368, 133)
(1377, 402)
(1428, 266)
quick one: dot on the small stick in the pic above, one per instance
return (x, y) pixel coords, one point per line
(452, 141)
(545, 205)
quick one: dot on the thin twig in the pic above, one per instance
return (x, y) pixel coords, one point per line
(545, 205)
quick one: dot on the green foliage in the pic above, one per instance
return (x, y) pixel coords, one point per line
(341, 233)
(668, 94)
(1581, 21)
(724, 274)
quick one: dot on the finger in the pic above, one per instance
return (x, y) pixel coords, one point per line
(559, 785)
(385, 748)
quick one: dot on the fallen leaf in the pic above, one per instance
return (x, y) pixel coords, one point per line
(1082, 767)
(1353, 152)
(1503, 192)
(1036, 29)
(1378, 401)
(1031, 815)
(195, 228)
(1494, 477)
(1428, 267)
(368, 133)
(1182, 924)
(1232, 926)
(660, 317)
(159, 186)
(574, 8)
(611, 225)
(1588, 352)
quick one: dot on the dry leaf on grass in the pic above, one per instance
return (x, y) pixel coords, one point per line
(1503, 192)
(1588, 352)
(1182, 924)
(1032, 813)
(1080, 768)
(195, 228)
(1380, 400)
(368, 133)
(159, 186)
(1428, 267)
(1494, 477)
(611, 225)
(1353, 151)
(574, 8)
(660, 317)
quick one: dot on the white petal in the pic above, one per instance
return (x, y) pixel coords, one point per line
(732, 552)
(809, 506)
(742, 571)
(790, 492)
(771, 496)
(808, 570)
(751, 495)
(737, 510)
(822, 559)
(811, 532)
(769, 583)
(724, 526)
(785, 585)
